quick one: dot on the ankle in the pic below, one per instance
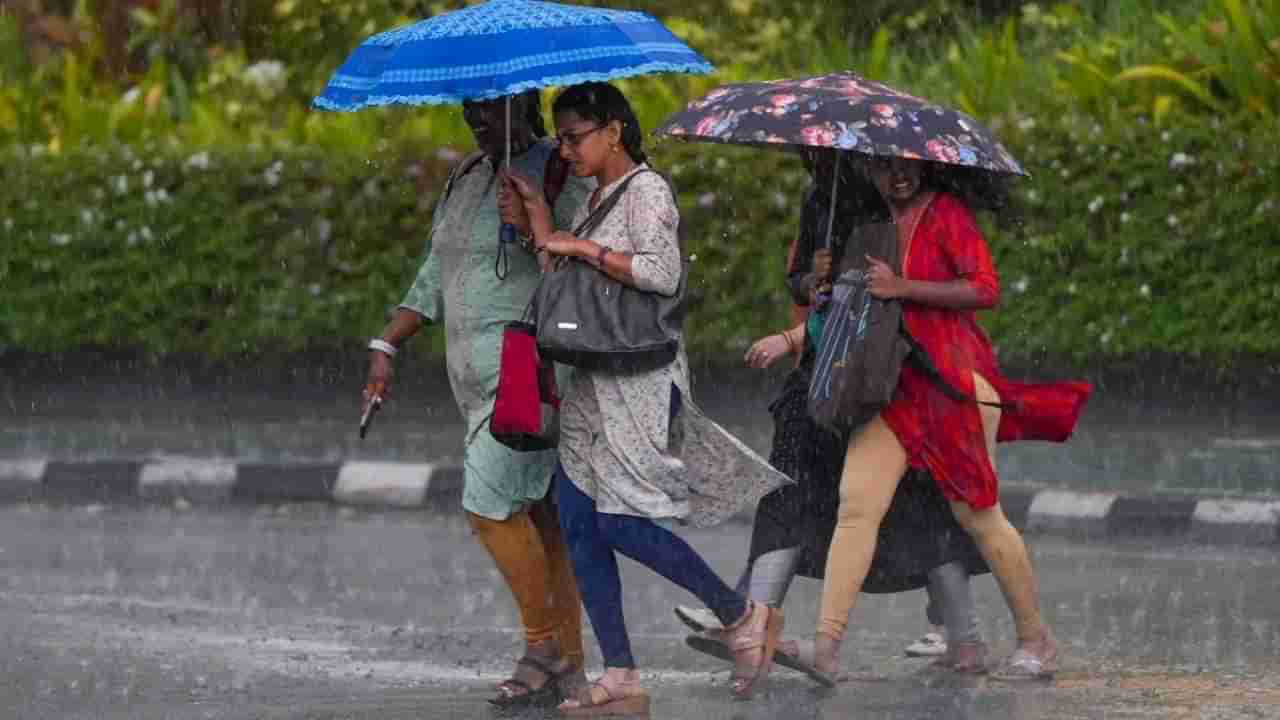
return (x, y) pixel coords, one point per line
(617, 676)
(1040, 641)
(543, 649)
(743, 619)
(826, 651)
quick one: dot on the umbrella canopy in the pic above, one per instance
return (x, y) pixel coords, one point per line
(840, 111)
(501, 48)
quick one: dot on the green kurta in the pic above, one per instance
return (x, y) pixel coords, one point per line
(458, 285)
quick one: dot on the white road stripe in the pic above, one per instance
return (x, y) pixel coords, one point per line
(22, 472)
(1236, 512)
(205, 479)
(1062, 504)
(383, 483)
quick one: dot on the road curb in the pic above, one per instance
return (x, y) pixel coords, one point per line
(429, 485)
(378, 484)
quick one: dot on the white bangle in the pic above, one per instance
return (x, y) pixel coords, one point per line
(383, 346)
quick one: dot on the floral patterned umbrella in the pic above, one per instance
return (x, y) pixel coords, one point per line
(841, 111)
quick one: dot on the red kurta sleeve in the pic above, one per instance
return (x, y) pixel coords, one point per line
(965, 250)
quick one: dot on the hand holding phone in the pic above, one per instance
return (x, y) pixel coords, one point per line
(371, 406)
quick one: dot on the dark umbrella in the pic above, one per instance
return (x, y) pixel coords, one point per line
(840, 111)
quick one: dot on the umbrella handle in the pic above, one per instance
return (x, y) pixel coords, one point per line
(507, 233)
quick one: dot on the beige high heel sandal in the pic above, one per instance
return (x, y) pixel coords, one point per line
(759, 631)
(589, 704)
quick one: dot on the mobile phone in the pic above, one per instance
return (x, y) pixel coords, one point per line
(366, 418)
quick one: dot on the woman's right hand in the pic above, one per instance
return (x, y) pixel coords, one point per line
(378, 383)
(767, 350)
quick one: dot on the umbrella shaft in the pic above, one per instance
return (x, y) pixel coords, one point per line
(835, 192)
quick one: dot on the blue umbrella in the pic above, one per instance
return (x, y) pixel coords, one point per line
(502, 48)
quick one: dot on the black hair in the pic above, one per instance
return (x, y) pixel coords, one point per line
(857, 195)
(533, 112)
(979, 189)
(603, 103)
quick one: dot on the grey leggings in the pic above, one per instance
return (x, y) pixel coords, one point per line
(950, 594)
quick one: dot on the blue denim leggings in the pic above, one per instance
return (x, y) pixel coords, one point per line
(593, 537)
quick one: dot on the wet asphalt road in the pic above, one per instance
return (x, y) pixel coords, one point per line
(316, 612)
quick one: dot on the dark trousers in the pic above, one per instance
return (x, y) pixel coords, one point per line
(594, 538)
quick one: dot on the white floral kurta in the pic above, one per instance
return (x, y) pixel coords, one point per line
(616, 443)
(457, 285)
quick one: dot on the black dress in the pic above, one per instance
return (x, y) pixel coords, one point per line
(919, 532)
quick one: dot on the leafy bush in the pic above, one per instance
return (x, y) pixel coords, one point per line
(1131, 242)
(1227, 61)
(1140, 241)
(199, 205)
(217, 253)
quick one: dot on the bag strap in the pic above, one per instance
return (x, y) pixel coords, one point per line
(601, 211)
(921, 357)
(467, 165)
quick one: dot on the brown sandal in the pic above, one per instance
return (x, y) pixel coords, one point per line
(514, 693)
(610, 705)
(759, 631)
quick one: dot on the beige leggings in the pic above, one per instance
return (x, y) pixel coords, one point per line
(874, 464)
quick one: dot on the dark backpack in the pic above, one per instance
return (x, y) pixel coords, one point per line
(863, 345)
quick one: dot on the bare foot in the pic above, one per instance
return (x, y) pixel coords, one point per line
(1044, 647)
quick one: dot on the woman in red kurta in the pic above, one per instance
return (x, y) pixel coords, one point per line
(948, 276)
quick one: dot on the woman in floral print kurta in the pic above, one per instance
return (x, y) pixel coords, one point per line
(504, 491)
(634, 447)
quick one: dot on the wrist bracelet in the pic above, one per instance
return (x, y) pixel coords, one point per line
(383, 347)
(600, 258)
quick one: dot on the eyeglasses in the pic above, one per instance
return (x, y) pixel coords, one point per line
(573, 139)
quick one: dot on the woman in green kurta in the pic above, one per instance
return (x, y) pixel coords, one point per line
(475, 289)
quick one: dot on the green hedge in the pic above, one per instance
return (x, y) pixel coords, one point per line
(1128, 243)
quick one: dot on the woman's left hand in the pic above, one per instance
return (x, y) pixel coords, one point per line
(562, 243)
(882, 281)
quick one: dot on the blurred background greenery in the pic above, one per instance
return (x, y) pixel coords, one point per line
(167, 189)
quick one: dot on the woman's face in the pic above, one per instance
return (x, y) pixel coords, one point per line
(585, 144)
(897, 179)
